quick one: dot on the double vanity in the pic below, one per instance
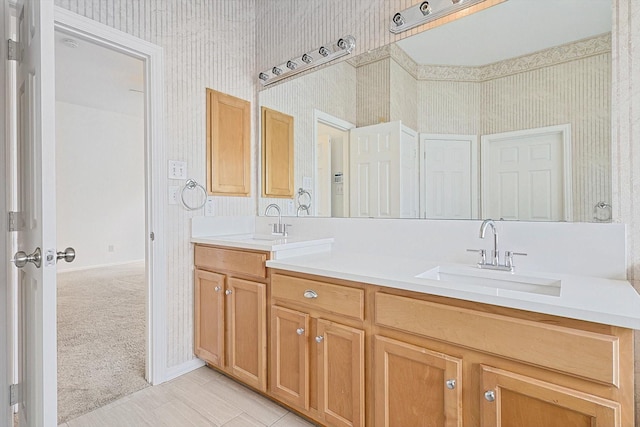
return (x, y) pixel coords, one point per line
(355, 339)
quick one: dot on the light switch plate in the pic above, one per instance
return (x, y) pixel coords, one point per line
(173, 194)
(177, 169)
(209, 207)
(291, 208)
(307, 182)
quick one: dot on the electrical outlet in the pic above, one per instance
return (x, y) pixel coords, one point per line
(177, 170)
(173, 194)
(111, 249)
(209, 207)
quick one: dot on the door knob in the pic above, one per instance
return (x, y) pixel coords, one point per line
(20, 259)
(490, 395)
(300, 331)
(319, 338)
(228, 292)
(68, 255)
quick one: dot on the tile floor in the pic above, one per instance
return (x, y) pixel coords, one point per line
(200, 398)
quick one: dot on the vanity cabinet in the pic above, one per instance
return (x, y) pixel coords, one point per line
(230, 312)
(317, 349)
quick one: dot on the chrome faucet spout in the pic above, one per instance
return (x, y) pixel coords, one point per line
(483, 229)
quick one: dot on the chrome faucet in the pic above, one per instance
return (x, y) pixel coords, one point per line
(494, 263)
(278, 229)
(483, 229)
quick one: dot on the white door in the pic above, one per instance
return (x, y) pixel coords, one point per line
(374, 167)
(36, 203)
(324, 175)
(449, 176)
(527, 175)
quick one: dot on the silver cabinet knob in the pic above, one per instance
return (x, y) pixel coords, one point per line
(451, 384)
(310, 294)
(319, 338)
(228, 292)
(20, 259)
(68, 255)
(490, 395)
(300, 331)
(217, 289)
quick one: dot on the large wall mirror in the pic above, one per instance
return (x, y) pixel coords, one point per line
(504, 113)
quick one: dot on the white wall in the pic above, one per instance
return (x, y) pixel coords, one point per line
(100, 185)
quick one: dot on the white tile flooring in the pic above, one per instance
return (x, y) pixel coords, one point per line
(200, 398)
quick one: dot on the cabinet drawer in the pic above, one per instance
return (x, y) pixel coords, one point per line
(582, 353)
(331, 298)
(230, 260)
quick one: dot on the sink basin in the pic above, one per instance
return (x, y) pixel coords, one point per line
(499, 280)
(260, 238)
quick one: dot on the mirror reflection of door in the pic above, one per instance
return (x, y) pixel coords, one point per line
(448, 176)
(525, 175)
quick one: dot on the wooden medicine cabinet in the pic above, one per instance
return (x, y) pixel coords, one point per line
(228, 145)
(277, 154)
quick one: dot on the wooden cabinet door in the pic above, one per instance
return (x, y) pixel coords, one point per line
(247, 341)
(289, 368)
(340, 352)
(415, 386)
(209, 317)
(514, 400)
(277, 154)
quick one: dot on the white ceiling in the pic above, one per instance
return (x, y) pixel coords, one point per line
(97, 77)
(510, 29)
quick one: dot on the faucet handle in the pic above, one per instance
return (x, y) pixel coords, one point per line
(508, 257)
(483, 255)
(284, 229)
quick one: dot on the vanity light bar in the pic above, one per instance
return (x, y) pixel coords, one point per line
(427, 11)
(325, 53)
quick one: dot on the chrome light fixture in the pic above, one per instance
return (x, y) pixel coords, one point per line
(427, 11)
(322, 55)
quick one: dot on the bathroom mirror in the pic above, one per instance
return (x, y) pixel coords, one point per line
(509, 107)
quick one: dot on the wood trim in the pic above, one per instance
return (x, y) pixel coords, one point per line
(277, 154)
(604, 412)
(228, 145)
(549, 346)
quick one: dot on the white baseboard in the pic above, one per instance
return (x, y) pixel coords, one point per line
(184, 368)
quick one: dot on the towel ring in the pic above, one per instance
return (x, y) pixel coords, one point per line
(190, 185)
(303, 206)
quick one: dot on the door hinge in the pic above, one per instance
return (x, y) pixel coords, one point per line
(152, 236)
(12, 50)
(14, 393)
(13, 221)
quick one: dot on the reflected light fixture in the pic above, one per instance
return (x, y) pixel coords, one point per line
(325, 53)
(427, 11)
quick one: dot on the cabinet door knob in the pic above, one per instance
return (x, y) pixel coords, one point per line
(319, 338)
(311, 294)
(490, 395)
(451, 384)
(227, 292)
(300, 331)
(217, 289)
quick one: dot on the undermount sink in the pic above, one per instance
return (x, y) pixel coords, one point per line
(260, 238)
(464, 275)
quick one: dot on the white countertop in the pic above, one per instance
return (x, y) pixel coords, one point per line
(280, 247)
(612, 302)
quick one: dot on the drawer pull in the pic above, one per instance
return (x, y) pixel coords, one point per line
(319, 339)
(310, 294)
(490, 395)
(451, 384)
(217, 289)
(300, 331)
(227, 292)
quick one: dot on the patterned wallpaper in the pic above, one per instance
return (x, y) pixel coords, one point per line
(201, 49)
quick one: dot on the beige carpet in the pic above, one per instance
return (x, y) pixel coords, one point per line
(101, 337)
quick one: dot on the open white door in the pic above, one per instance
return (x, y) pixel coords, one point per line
(36, 204)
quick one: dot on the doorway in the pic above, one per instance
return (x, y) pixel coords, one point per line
(100, 211)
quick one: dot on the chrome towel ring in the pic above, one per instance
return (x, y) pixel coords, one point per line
(191, 185)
